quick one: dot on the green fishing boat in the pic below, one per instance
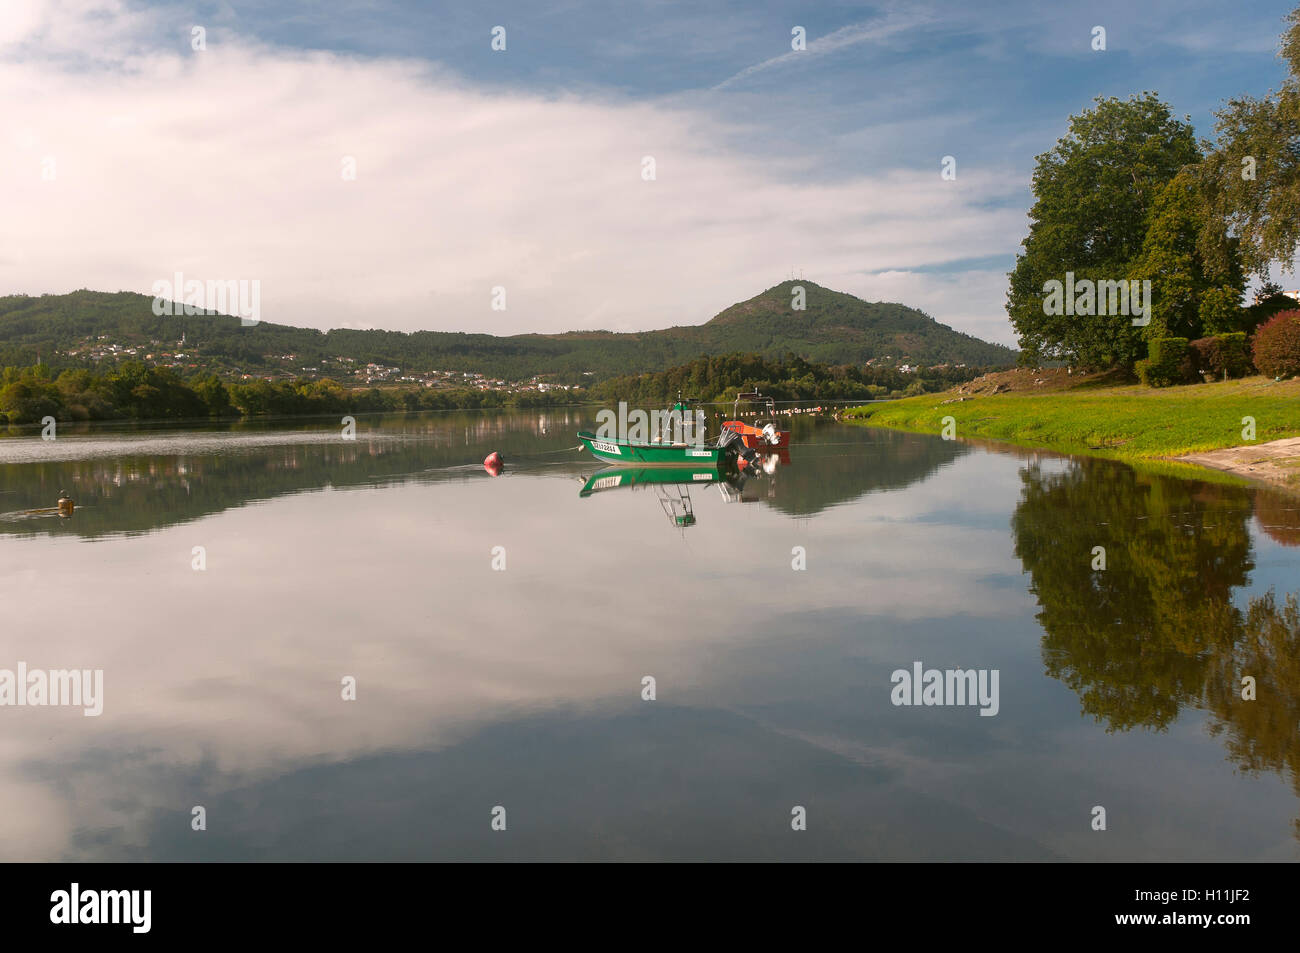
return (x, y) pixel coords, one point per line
(667, 452)
(651, 454)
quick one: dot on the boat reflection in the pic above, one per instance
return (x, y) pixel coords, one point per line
(671, 486)
(754, 491)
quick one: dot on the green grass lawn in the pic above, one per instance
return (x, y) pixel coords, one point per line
(1130, 422)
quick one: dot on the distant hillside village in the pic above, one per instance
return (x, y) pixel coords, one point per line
(187, 360)
(904, 365)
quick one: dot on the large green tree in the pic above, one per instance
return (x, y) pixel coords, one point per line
(1191, 297)
(1251, 176)
(1093, 195)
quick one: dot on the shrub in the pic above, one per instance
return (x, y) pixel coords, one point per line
(1224, 355)
(1277, 345)
(1171, 361)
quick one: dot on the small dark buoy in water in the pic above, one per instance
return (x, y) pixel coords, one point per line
(66, 506)
(494, 463)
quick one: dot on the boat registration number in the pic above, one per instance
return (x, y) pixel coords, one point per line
(604, 447)
(698, 453)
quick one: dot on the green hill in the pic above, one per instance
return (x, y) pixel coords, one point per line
(835, 328)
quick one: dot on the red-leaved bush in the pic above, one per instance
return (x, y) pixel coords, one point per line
(1277, 345)
(1223, 355)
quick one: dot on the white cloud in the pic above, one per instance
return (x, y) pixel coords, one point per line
(968, 300)
(226, 164)
(77, 32)
(21, 19)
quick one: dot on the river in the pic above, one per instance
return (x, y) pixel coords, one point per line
(371, 649)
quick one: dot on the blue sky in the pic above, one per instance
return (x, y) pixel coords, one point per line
(994, 81)
(482, 168)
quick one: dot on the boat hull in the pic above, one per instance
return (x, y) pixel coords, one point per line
(659, 455)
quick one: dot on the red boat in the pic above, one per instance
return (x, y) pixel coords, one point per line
(758, 436)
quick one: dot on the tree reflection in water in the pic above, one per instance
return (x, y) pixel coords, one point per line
(1157, 629)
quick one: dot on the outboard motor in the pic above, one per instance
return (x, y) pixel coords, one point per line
(730, 441)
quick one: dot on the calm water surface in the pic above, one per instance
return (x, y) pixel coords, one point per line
(522, 688)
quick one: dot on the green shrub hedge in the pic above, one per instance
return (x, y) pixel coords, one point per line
(1171, 361)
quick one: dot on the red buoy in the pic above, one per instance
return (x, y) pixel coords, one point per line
(494, 463)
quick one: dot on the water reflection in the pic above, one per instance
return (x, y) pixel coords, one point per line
(522, 687)
(1157, 630)
(137, 484)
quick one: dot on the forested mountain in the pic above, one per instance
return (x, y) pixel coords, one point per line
(834, 328)
(837, 328)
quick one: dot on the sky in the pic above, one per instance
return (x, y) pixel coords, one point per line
(128, 155)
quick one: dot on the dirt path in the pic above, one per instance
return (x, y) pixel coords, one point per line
(1276, 462)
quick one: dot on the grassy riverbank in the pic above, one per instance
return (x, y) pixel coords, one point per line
(1128, 422)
